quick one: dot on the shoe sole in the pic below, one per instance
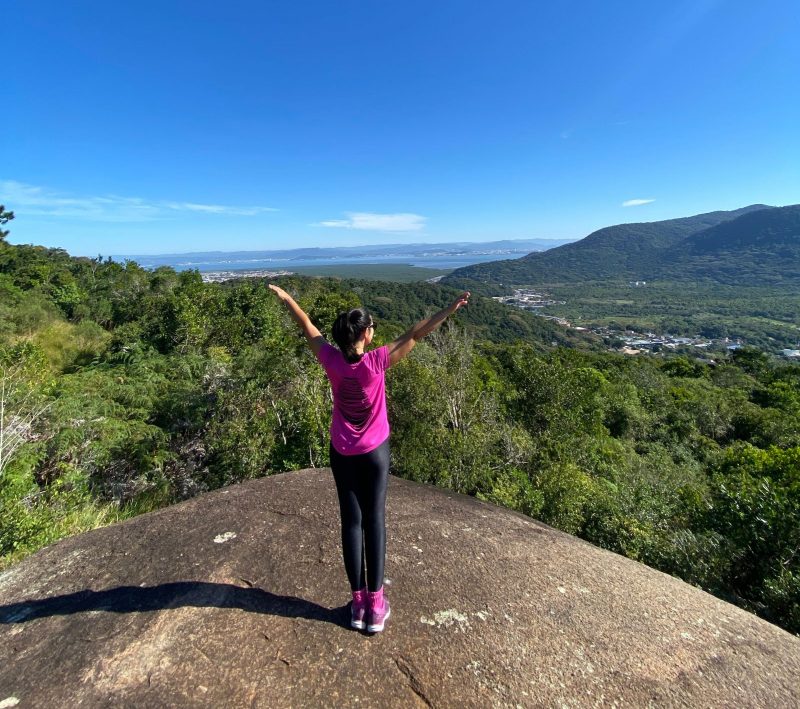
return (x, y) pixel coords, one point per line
(358, 624)
(377, 627)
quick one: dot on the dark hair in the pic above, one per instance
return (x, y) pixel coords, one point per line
(347, 330)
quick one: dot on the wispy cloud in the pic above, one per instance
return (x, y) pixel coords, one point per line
(636, 202)
(369, 221)
(218, 209)
(41, 201)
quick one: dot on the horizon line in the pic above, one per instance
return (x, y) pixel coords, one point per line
(356, 246)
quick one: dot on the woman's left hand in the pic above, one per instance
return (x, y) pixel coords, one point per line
(459, 302)
(282, 294)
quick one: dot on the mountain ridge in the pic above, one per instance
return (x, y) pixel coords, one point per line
(639, 250)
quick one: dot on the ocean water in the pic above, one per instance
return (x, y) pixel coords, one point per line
(443, 261)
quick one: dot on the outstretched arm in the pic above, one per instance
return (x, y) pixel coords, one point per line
(405, 343)
(314, 337)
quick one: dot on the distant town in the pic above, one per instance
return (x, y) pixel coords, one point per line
(220, 276)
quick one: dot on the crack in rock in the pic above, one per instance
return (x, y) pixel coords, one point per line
(413, 682)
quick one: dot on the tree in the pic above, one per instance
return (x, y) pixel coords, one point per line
(755, 507)
(5, 217)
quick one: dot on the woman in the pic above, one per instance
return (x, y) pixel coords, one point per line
(360, 442)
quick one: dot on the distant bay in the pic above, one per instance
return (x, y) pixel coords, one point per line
(437, 256)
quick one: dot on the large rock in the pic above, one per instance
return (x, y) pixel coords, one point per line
(237, 598)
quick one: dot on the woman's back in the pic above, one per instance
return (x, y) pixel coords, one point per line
(359, 422)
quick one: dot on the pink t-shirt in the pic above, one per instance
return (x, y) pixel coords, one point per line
(359, 422)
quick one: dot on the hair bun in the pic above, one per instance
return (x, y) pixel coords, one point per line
(347, 328)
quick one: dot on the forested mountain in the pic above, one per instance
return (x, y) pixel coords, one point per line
(639, 251)
(758, 248)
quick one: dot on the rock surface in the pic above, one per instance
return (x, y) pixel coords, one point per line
(238, 598)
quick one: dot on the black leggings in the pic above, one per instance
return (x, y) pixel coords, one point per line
(361, 482)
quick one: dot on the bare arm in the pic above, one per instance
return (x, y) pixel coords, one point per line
(314, 337)
(405, 343)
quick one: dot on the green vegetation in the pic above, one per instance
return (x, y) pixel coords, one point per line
(127, 390)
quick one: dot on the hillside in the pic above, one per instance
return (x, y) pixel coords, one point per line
(625, 251)
(237, 598)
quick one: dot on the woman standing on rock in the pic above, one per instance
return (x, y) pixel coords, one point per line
(360, 442)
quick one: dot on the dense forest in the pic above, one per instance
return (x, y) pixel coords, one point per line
(124, 390)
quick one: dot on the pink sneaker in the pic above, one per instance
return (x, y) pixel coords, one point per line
(377, 609)
(358, 610)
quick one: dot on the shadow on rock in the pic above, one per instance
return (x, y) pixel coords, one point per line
(137, 599)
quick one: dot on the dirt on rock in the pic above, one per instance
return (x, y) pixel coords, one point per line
(239, 598)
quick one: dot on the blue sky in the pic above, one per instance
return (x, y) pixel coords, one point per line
(153, 127)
